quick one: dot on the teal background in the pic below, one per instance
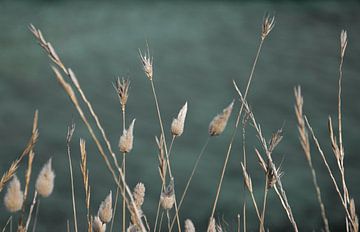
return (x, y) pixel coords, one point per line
(198, 49)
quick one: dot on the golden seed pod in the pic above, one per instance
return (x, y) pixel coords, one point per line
(14, 197)
(105, 209)
(147, 63)
(218, 124)
(127, 138)
(177, 125)
(45, 180)
(167, 197)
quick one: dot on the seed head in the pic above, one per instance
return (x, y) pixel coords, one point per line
(177, 125)
(147, 63)
(267, 26)
(167, 198)
(14, 197)
(122, 88)
(105, 209)
(132, 228)
(218, 124)
(189, 226)
(98, 225)
(126, 140)
(45, 180)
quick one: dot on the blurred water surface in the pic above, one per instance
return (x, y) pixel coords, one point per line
(198, 49)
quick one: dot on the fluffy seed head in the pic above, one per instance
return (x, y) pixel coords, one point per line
(14, 197)
(45, 180)
(147, 63)
(167, 198)
(127, 138)
(218, 124)
(105, 209)
(97, 225)
(177, 125)
(189, 226)
(139, 195)
(132, 228)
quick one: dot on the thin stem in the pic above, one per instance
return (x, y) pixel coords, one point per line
(168, 217)
(165, 146)
(264, 206)
(30, 211)
(72, 183)
(124, 203)
(36, 215)
(7, 222)
(157, 215)
(235, 129)
(161, 219)
(238, 223)
(191, 175)
(255, 205)
(245, 164)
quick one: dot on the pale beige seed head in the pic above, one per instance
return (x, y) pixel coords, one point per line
(14, 197)
(98, 225)
(343, 42)
(45, 180)
(139, 195)
(267, 26)
(218, 124)
(212, 225)
(122, 88)
(189, 226)
(105, 209)
(127, 138)
(167, 197)
(177, 125)
(147, 63)
(132, 228)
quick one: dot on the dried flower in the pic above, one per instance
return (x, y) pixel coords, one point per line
(218, 124)
(139, 195)
(167, 198)
(97, 225)
(189, 226)
(177, 125)
(343, 42)
(14, 197)
(122, 88)
(147, 62)
(45, 180)
(105, 209)
(267, 26)
(126, 140)
(247, 178)
(132, 228)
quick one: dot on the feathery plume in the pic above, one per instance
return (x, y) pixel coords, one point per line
(122, 88)
(177, 125)
(218, 124)
(105, 209)
(45, 180)
(147, 63)
(189, 226)
(126, 140)
(98, 225)
(167, 198)
(267, 26)
(14, 197)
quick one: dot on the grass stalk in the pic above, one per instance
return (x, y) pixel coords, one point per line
(36, 215)
(7, 223)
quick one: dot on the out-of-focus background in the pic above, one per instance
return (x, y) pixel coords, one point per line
(198, 49)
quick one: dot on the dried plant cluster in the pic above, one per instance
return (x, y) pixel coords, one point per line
(169, 205)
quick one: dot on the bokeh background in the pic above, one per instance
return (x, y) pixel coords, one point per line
(198, 49)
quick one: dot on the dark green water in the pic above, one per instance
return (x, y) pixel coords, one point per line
(198, 49)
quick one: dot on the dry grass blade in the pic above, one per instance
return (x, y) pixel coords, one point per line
(85, 177)
(305, 144)
(14, 166)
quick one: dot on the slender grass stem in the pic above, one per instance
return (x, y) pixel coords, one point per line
(165, 146)
(7, 223)
(261, 229)
(36, 215)
(191, 175)
(31, 210)
(235, 129)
